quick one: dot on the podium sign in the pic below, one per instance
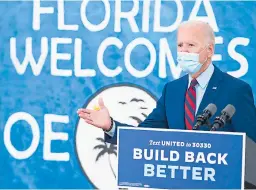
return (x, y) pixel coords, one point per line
(165, 159)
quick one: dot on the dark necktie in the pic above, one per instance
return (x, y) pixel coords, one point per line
(190, 105)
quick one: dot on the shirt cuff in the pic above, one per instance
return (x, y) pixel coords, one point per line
(112, 131)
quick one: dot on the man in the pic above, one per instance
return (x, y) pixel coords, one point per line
(186, 97)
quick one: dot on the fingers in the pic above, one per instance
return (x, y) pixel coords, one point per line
(83, 110)
(89, 121)
(85, 116)
(101, 103)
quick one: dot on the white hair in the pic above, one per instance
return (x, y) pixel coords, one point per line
(206, 27)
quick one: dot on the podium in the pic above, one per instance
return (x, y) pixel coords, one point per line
(184, 159)
(250, 164)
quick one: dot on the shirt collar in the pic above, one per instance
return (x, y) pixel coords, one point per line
(205, 77)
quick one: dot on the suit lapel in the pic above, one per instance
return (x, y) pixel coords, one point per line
(212, 90)
(179, 102)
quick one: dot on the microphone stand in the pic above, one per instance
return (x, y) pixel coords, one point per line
(201, 119)
(221, 123)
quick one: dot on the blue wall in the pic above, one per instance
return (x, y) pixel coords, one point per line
(60, 91)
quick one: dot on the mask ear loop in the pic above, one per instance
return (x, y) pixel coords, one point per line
(203, 50)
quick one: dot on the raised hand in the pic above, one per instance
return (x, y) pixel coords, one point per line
(98, 118)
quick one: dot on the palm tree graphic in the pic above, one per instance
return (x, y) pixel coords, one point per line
(104, 148)
(111, 149)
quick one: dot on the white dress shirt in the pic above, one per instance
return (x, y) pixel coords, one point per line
(203, 81)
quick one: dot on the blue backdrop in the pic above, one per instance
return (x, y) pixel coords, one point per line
(56, 57)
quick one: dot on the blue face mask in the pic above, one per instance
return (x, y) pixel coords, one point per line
(189, 62)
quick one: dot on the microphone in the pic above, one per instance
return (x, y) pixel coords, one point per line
(226, 115)
(202, 119)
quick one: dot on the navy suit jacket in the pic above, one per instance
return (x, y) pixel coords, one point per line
(169, 111)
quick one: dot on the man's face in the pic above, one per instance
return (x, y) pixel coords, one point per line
(192, 39)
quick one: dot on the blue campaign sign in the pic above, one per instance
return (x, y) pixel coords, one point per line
(164, 159)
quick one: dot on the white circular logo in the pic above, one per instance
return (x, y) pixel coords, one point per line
(127, 104)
